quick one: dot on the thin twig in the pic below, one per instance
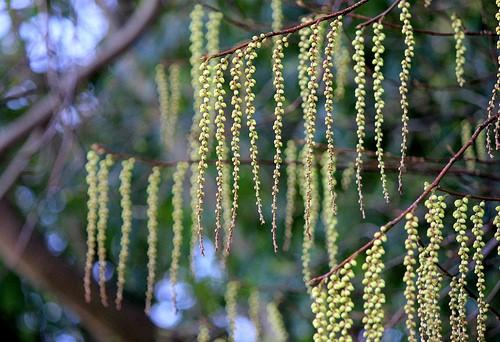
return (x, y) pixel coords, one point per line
(460, 194)
(379, 17)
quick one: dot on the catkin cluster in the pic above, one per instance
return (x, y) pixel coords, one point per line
(410, 260)
(177, 215)
(279, 111)
(276, 323)
(220, 149)
(466, 133)
(378, 91)
(291, 190)
(152, 213)
(92, 206)
(404, 77)
(231, 308)
(360, 93)
(373, 295)
(331, 38)
(458, 29)
(126, 204)
(328, 212)
(458, 318)
(429, 276)
(250, 55)
(103, 199)
(477, 231)
(236, 115)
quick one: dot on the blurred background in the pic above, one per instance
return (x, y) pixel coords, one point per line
(74, 73)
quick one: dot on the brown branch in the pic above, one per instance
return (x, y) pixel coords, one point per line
(379, 17)
(289, 30)
(478, 197)
(248, 26)
(389, 225)
(116, 44)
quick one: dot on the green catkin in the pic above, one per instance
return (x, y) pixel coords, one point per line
(347, 175)
(493, 98)
(175, 98)
(304, 45)
(378, 91)
(277, 14)
(203, 333)
(92, 205)
(328, 213)
(331, 38)
(310, 123)
(341, 62)
(459, 35)
(404, 77)
(231, 308)
(226, 199)
(202, 149)
(236, 115)
(458, 318)
(429, 281)
(152, 214)
(319, 309)
(276, 323)
(164, 102)
(254, 311)
(103, 199)
(496, 223)
(466, 132)
(360, 93)
(291, 190)
(126, 204)
(411, 245)
(478, 257)
(481, 146)
(220, 149)
(373, 296)
(279, 111)
(177, 216)
(249, 71)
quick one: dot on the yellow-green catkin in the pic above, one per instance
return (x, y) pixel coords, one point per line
(177, 216)
(470, 158)
(458, 318)
(347, 175)
(378, 91)
(360, 94)
(310, 123)
(304, 44)
(164, 101)
(328, 211)
(493, 98)
(279, 111)
(459, 35)
(320, 310)
(410, 261)
(277, 14)
(126, 204)
(103, 199)
(220, 148)
(203, 333)
(202, 149)
(404, 77)
(249, 71)
(478, 257)
(254, 311)
(236, 115)
(481, 146)
(276, 323)
(92, 206)
(291, 190)
(174, 80)
(331, 41)
(231, 306)
(496, 223)
(152, 214)
(373, 295)
(429, 275)
(226, 199)
(341, 61)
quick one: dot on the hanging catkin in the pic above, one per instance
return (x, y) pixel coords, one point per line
(378, 91)
(466, 133)
(126, 204)
(152, 213)
(277, 14)
(341, 57)
(404, 77)
(250, 55)
(164, 101)
(279, 111)
(458, 29)
(291, 190)
(203, 333)
(103, 199)
(496, 222)
(276, 323)
(304, 45)
(231, 308)
(254, 311)
(477, 231)
(328, 212)
(493, 98)
(177, 216)
(92, 205)
(175, 99)
(360, 93)
(331, 38)
(410, 260)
